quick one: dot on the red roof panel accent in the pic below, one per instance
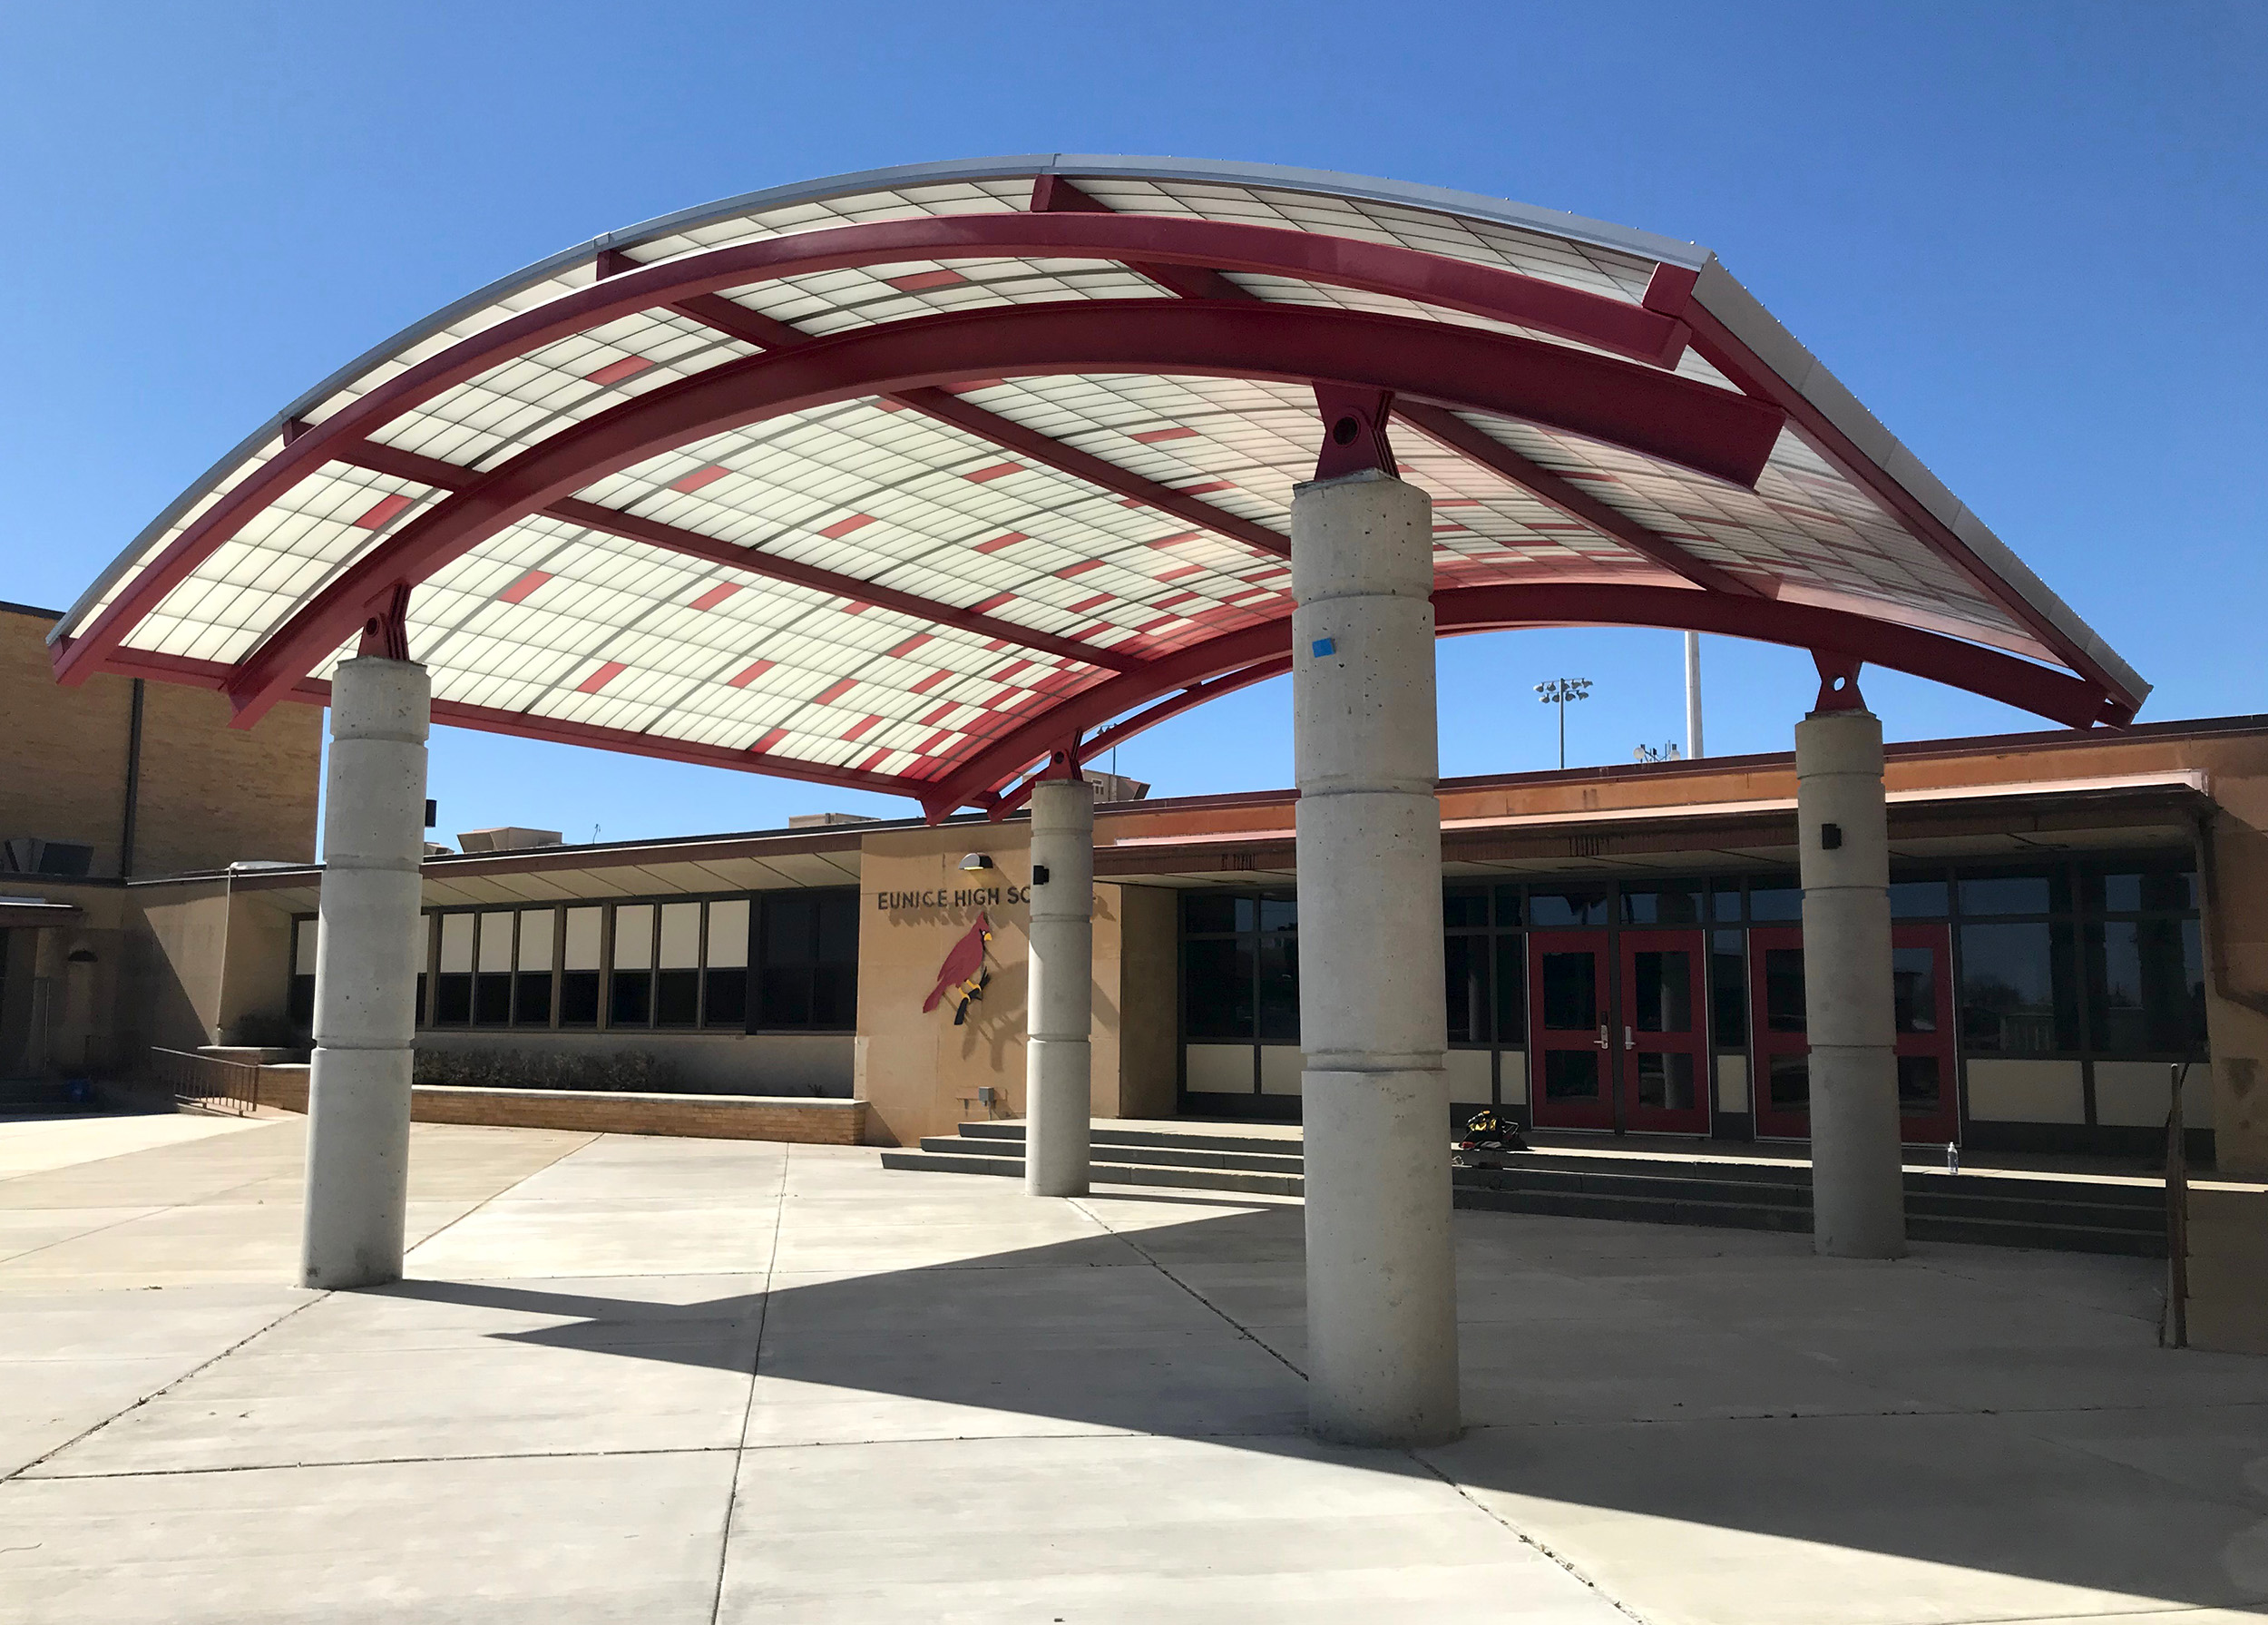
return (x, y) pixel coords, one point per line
(934, 739)
(835, 691)
(1185, 570)
(1084, 604)
(614, 372)
(750, 674)
(1084, 565)
(941, 713)
(992, 603)
(929, 682)
(382, 509)
(767, 742)
(874, 761)
(715, 595)
(599, 679)
(1160, 624)
(1167, 603)
(860, 727)
(856, 606)
(994, 472)
(909, 646)
(1009, 671)
(997, 542)
(700, 477)
(1209, 486)
(1179, 537)
(1152, 436)
(917, 281)
(519, 590)
(844, 527)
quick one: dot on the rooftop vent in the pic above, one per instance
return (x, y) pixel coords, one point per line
(828, 820)
(509, 838)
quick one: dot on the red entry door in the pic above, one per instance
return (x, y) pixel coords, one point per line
(1922, 1000)
(1664, 1032)
(1570, 1057)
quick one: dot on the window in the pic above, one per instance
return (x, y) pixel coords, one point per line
(678, 977)
(1772, 905)
(1729, 989)
(809, 979)
(1219, 994)
(2041, 892)
(725, 982)
(1567, 905)
(1918, 899)
(1678, 903)
(580, 965)
(303, 945)
(2140, 891)
(2144, 987)
(491, 987)
(2016, 987)
(453, 988)
(1465, 960)
(631, 1001)
(531, 981)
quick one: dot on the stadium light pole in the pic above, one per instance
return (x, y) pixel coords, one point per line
(1558, 691)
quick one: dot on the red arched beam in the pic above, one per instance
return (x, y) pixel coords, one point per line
(1498, 295)
(182, 670)
(1671, 292)
(2056, 695)
(1173, 705)
(1654, 413)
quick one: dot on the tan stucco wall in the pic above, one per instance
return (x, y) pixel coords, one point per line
(921, 1072)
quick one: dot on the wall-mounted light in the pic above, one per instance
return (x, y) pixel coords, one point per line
(976, 862)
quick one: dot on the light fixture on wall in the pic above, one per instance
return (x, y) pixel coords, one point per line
(976, 862)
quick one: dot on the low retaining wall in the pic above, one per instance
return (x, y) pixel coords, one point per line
(805, 1120)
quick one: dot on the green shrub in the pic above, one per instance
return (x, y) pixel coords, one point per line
(631, 1071)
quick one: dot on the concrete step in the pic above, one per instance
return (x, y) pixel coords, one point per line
(1655, 1187)
(1232, 1181)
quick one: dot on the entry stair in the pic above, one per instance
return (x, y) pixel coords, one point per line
(1997, 1208)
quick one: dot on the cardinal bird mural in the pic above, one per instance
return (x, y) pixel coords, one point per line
(963, 975)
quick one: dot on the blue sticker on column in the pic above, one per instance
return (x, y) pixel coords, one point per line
(1325, 646)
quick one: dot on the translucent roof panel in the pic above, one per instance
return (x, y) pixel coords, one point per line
(809, 482)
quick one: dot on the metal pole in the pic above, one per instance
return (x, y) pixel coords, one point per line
(1560, 700)
(1693, 696)
(2176, 1219)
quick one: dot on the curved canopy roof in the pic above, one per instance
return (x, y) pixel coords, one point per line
(902, 480)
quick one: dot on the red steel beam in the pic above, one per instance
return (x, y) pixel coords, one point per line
(1479, 290)
(751, 327)
(1445, 428)
(1052, 193)
(1671, 292)
(1655, 412)
(2057, 695)
(526, 725)
(631, 527)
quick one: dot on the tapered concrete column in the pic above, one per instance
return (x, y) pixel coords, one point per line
(1858, 1191)
(1058, 1056)
(366, 975)
(1382, 1318)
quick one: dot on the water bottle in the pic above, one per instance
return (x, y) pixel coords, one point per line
(1952, 1158)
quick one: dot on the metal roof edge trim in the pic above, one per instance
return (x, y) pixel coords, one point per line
(1725, 297)
(1441, 199)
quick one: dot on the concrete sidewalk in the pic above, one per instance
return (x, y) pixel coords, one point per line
(693, 1380)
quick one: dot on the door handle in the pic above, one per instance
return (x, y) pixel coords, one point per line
(1602, 1041)
(1630, 1039)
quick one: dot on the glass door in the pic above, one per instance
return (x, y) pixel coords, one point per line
(1923, 1004)
(1664, 1033)
(1571, 1061)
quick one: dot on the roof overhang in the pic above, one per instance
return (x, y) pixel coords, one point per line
(899, 481)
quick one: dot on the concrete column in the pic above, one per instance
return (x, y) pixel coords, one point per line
(1057, 1055)
(1382, 1315)
(366, 975)
(1858, 1193)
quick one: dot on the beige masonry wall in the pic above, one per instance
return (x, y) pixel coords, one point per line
(921, 1073)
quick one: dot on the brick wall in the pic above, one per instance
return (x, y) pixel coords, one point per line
(210, 794)
(800, 1120)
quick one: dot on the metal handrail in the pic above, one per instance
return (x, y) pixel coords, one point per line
(208, 1080)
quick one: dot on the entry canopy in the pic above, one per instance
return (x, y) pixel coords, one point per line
(905, 480)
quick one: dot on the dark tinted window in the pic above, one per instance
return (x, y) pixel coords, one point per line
(2142, 891)
(1775, 903)
(1511, 991)
(1729, 989)
(1918, 899)
(1464, 907)
(1217, 988)
(1280, 989)
(1568, 906)
(2017, 989)
(808, 946)
(2013, 894)
(1207, 912)
(2146, 987)
(1465, 961)
(1678, 904)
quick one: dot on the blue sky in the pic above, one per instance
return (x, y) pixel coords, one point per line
(2028, 236)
